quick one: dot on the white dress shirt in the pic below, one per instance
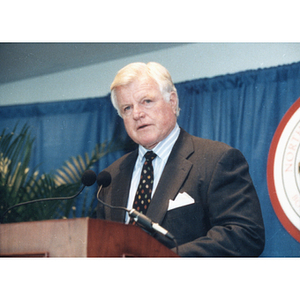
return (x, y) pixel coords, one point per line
(162, 150)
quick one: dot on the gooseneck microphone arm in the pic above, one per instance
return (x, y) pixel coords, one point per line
(39, 200)
(104, 180)
(88, 178)
(106, 204)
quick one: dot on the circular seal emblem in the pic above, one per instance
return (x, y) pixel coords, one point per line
(283, 171)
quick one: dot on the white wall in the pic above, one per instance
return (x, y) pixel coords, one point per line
(185, 62)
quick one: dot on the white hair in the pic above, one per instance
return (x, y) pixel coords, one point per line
(152, 69)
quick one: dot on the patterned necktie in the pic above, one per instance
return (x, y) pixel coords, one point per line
(144, 190)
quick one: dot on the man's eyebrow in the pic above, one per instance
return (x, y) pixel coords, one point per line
(125, 105)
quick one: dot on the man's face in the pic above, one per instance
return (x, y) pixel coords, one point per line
(148, 118)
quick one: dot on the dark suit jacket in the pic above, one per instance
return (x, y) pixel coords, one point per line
(225, 219)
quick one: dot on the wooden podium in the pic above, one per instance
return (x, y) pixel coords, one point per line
(82, 237)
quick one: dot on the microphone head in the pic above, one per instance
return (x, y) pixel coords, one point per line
(104, 179)
(88, 178)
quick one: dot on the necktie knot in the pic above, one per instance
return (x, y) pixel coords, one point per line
(149, 156)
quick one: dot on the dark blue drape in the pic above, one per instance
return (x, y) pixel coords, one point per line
(242, 110)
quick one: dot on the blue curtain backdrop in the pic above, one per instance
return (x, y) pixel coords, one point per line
(242, 110)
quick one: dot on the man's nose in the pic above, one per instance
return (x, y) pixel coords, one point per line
(137, 112)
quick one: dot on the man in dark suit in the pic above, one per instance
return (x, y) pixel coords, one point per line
(202, 192)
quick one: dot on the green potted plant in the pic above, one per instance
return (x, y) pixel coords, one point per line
(19, 184)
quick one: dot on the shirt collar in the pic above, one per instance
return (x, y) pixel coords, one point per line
(163, 148)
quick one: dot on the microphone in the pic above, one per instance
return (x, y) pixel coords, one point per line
(104, 180)
(88, 178)
(148, 223)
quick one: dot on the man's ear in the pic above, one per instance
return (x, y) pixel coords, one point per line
(173, 101)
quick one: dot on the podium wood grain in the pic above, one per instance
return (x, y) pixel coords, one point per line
(81, 237)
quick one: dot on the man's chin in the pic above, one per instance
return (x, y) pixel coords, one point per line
(148, 144)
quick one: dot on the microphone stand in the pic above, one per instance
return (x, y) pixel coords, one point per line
(142, 220)
(40, 200)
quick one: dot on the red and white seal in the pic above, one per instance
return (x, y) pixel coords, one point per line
(283, 171)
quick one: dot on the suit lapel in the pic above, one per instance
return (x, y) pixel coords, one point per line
(173, 177)
(121, 186)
